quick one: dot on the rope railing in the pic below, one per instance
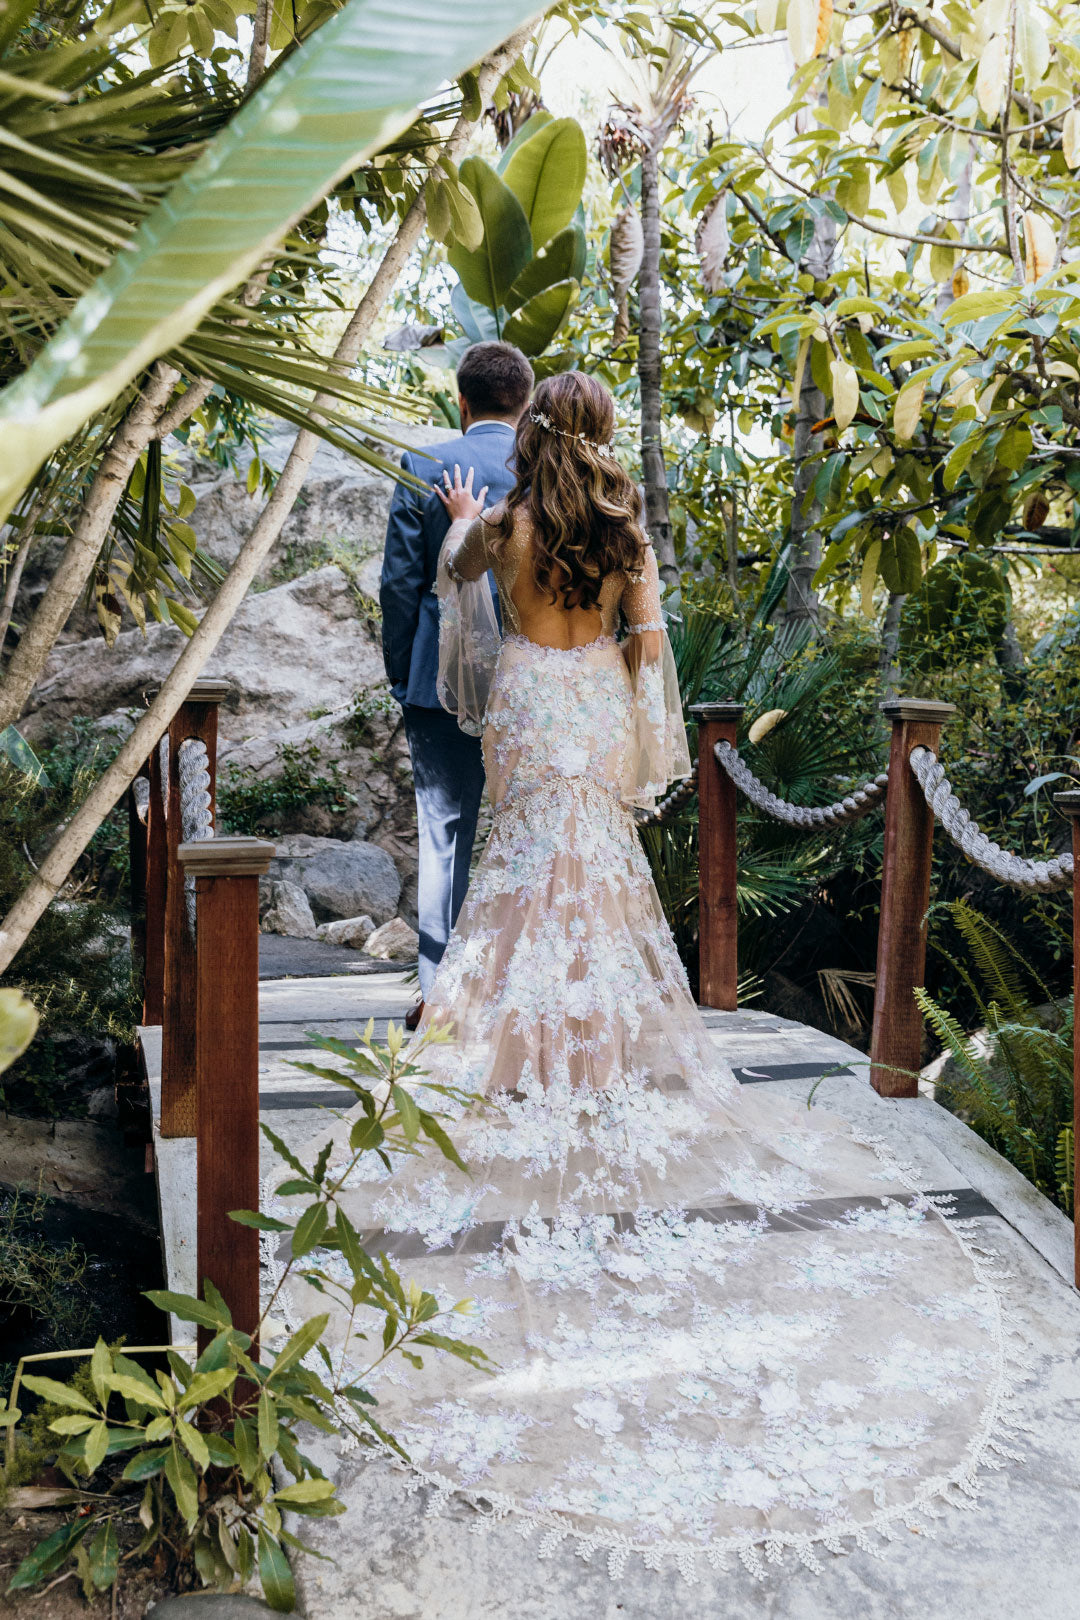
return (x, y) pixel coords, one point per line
(1019, 872)
(841, 813)
(196, 815)
(163, 769)
(672, 802)
(140, 792)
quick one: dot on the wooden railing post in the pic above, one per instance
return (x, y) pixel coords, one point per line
(905, 896)
(196, 717)
(1070, 803)
(226, 1029)
(157, 874)
(718, 945)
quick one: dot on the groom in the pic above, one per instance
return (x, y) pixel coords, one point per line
(494, 383)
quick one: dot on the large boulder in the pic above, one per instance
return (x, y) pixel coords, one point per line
(340, 879)
(284, 908)
(303, 647)
(395, 941)
(343, 502)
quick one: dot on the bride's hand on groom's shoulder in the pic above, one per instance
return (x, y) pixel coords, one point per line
(458, 497)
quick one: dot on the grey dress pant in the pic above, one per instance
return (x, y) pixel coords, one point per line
(448, 774)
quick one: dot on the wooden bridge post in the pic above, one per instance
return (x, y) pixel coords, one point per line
(1070, 803)
(226, 1028)
(157, 864)
(896, 1043)
(718, 942)
(196, 717)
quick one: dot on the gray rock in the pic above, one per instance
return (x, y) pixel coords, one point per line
(340, 879)
(352, 931)
(287, 911)
(342, 500)
(395, 941)
(288, 653)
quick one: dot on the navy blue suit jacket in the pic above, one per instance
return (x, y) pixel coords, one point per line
(414, 535)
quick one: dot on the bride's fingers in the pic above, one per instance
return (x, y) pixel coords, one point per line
(469, 480)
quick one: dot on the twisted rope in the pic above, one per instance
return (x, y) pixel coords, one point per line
(671, 804)
(1034, 877)
(163, 770)
(843, 812)
(140, 792)
(196, 818)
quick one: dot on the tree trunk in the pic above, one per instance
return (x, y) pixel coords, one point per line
(16, 566)
(804, 556)
(801, 604)
(81, 552)
(888, 666)
(1011, 661)
(650, 376)
(77, 832)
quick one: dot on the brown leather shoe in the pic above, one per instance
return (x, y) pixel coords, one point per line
(414, 1015)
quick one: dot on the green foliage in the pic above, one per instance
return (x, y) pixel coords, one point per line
(75, 966)
(521, 281)
(1016, 1089)
(39, 1279)
(206, 1456)
(251, 803)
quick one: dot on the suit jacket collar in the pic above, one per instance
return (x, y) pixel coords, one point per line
(488, 427)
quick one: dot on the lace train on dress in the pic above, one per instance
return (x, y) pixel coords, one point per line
(722, 1326)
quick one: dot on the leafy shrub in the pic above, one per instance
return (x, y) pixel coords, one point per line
(1018, 1093)
(207, 1457)
(75, 966)
(250, 803)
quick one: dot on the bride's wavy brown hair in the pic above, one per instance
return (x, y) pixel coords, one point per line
(584, 509)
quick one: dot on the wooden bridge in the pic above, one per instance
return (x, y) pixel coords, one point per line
(217, 1045)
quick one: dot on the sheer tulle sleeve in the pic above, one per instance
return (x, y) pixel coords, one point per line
(468, 626)
(659, 753)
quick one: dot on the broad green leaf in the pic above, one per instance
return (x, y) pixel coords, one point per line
(49, 1554)
(268, 1424)
(57, 1394)
(74, 1423)
(18, 1018)
(546, 175)
(1032, 44)
(181, 1477)
(186, 1307)
(275, 1574)
(869, 577)
(97, 1444)
(908, 407)
(973, 306)
(991, 76)
(146, 1463)
(342, 94)
(900, 561)
(305, 1490)
(532, 126)
(958, 458)
(104, 1556)
(431, 1127)
(488, 274)
(410, 1114)
(247, 1450)
(303, 1340)
(134, 1389)
(193, 1443)
(254, 1217)
(845, 392)
(536, 323)
(309, 1229)
(563, 259)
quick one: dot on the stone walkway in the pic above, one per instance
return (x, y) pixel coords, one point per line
(1019, 1552)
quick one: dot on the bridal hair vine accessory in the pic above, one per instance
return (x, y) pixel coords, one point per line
(544, 420)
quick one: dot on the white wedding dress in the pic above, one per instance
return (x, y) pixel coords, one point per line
(722, 1326)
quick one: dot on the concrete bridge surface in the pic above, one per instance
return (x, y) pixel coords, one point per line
(1017, 1553)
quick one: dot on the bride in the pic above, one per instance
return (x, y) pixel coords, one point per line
(721, 1325)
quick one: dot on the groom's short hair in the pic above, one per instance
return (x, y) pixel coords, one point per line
(495, 379)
